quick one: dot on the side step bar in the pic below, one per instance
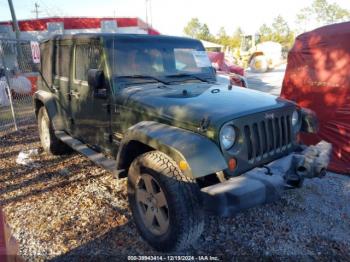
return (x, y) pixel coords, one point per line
(98, 158)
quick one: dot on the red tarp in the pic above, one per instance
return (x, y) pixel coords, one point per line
(318, 77)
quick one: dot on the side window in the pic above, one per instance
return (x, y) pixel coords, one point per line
(87, 56)
(46, 60)
(62, 60)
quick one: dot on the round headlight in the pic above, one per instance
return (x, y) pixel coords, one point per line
(227, 136)
(295, 118)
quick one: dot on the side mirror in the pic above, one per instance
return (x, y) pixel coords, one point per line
(96, 78)
(96, 81)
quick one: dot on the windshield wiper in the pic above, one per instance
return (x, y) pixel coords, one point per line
(189, 75)
(144, 77)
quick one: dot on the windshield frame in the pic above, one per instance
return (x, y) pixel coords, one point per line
(162, 43)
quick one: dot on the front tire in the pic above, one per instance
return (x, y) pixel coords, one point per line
(48, 139)
(165, 204)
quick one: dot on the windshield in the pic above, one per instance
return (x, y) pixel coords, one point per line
(151, 59)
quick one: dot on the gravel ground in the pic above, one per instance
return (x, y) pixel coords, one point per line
(269, 82)
(61, 207)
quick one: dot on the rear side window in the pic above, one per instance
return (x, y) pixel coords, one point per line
(87, 56)
(63, 54)
(46, 60)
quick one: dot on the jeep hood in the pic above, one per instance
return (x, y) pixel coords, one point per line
(192, 102)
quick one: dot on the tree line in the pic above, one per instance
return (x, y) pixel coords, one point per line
(319, 13)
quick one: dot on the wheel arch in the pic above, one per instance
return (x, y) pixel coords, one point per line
(129, 151)
(201, 155)
(254, 55)
(37, 105)
(44, 98)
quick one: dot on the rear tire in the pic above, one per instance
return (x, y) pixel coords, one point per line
(259, 64)
(48, 139)
(174, 200)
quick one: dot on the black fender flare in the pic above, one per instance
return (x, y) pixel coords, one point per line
(49, 101)
(202, 155)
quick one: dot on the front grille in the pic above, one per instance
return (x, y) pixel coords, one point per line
(268, 137)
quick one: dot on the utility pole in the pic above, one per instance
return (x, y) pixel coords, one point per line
(36, 10)
(14, 19)
(146, 2)
(148, 12)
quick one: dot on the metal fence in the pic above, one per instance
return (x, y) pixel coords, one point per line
(18, 73)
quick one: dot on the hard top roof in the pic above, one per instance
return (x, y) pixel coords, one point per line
(115, 35)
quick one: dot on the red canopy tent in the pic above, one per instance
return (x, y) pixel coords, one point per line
(318, 77)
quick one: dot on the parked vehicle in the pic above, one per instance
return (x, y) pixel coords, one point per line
(222, 64)
(260, 56)
(20, 85)
(318, 77)
(148, 108)
(231, 79)
(226, 71)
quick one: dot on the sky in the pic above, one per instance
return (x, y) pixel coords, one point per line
(171, 16)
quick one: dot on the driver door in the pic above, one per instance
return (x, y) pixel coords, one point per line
(90, 114)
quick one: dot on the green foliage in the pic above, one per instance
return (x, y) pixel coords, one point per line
(222, 38)
(204, 33)
(192, 28)
(235, 40)
(265, 33)
(279, 32)
(321, 13)
(196, 29)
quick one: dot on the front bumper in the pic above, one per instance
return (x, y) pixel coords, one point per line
(265, 184)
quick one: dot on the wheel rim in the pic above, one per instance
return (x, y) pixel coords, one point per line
(44, 133)
(152, 205)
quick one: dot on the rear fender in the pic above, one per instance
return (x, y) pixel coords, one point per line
(202, 156)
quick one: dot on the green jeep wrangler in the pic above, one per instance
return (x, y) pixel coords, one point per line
(149, 108)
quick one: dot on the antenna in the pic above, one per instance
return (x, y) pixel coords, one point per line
(36, 10)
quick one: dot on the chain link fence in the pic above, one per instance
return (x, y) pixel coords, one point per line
(18, 73)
